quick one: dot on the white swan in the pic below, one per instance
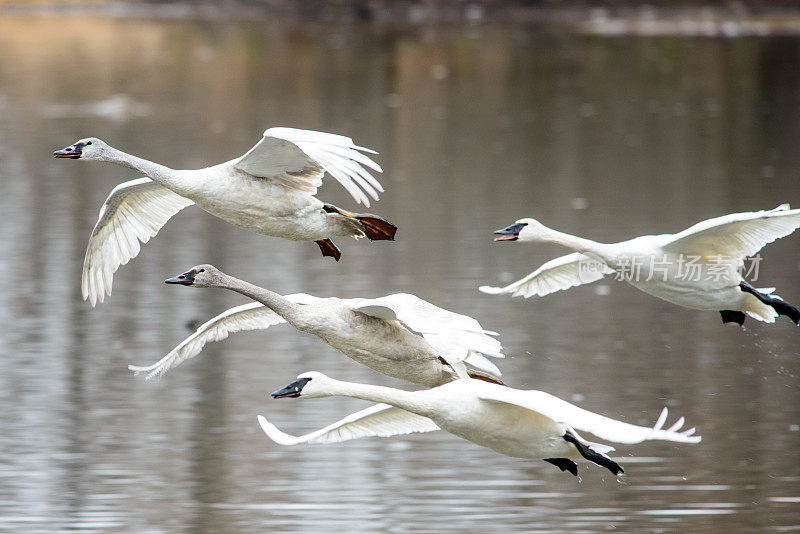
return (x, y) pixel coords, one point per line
(399, 335)
(698, 268)
(270, 190)
(519, 423)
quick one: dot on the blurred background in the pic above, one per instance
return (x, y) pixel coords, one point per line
(607, 122)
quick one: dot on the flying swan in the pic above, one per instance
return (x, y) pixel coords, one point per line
(270, 190)
(698, 268)
(519, 423)
(399, 335)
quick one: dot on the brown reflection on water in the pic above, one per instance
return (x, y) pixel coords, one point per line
(607, 138)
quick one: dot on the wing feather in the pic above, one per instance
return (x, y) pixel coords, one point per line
(252, 316)
(134, 211)
(601, 426)
(736, 235)
(455, 336)
(299, 159)
(560, 273)
(380, 420)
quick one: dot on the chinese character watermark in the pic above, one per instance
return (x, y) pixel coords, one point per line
(683, 267)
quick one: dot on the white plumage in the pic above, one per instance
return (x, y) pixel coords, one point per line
(252, 316)
(379, 420)
(520, 423)
(400, 335)
(134, 211)
(557, 274)
(269, 190)
(299, 159)
(699, 267)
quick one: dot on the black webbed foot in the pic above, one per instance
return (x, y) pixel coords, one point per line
(327, 247)
(730, 316)
(564, 464)
(374, 227)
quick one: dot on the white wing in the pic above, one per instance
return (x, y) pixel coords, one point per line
(603, 427)
(252, 316)
(737, 234)
(456, 337)
(134, 211)
(299, 158)
(380, 420)
(561, 273)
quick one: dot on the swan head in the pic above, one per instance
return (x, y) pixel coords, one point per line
(198, 276)
(311, 384)
(522, 230)
(90, 148)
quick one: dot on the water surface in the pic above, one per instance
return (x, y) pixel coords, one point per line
(608, 138)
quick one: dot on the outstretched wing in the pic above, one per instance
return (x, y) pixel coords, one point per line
(561, 273)
(458, 338)
(252, 316)
(134, 211)
(380, 420)
(299, 159)
(603, 427)
(735, 235)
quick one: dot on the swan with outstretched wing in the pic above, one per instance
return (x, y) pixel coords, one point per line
(269, 190)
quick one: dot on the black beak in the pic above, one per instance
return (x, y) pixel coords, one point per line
(71, 152)
(511, 233)
(292, 390)
(185, 279)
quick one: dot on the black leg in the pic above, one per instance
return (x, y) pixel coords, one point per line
(593, 456)
(779, 305)
(730, 316)
(564, 464)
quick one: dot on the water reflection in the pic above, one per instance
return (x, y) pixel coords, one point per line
(607, 138)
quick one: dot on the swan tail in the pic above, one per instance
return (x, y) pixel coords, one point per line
(328, 248)
(374, 227)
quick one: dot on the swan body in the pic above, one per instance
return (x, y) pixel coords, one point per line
(269, 190)
(519, 423)
(398, 335)
(698, 268)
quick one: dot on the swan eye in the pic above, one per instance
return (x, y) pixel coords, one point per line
(201, 271)
(88, 142)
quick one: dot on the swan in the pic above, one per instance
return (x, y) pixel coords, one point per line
(270, 190)
(519, 423)
(399, 335)
(699, 267)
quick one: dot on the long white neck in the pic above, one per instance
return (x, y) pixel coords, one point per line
(171, 178)
(578, 244)
(412, 401)
(274, 301)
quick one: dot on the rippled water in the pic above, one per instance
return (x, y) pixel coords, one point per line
(603, 137)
